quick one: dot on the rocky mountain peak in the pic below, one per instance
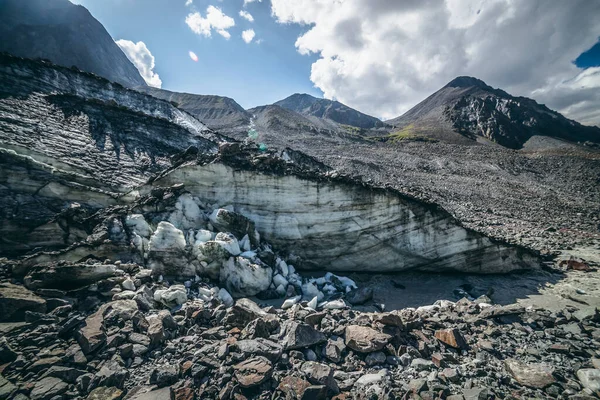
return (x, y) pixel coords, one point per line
(66, 34)
(467, 81)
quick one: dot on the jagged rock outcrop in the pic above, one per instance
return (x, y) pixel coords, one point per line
(475, 110)
(71, 142)
(66, 34)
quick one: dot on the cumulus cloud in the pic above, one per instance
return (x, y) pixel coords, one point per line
(248, 35)
(246, 15)
(143, 60)
(384, 56)
(250, 1)
(188, 2)
(215, 20)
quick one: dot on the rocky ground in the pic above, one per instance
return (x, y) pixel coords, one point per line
(134, 336)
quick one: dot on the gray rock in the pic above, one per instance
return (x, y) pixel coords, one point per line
(48, 388)
(260, 347)
(6, 388)
(590, 379)
(15, 300)
(164, 375)
(297, 335)
(253, 371)
(375, 358)
(320, 374)
(536, 376)
(364, 339)
(359, 296)
(111, 374)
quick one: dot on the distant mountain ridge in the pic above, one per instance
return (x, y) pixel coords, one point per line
(308, 105)
(471, 108)
(218, 112)
(66, 34)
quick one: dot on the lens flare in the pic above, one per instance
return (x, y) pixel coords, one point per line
(193, 56)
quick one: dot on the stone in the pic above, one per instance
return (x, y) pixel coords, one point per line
(174, 295)
(334, 348)
(128, 284)
(257, 328)
(67, 275)
(105, 393)
(260, 347)
(375, 358)
(183, 390)
(590, 379)
(156, 329)
(421, 364)
(164, 375)
(315, 392)
(253, 371)
(242, 278)
(7, 354)
(359, 296)
(111, 374)
(373, 386)
(66, 374)
(7, 389)
(320, 374)
(537, 376)
(297, 335)
(452, 337)
(476, 394)
(293, 387)
(242, 313)
(389, 319)
(92, 336)
(48, 388)
(15, 300)
(364, 339)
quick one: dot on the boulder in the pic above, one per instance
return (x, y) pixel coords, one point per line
(253, 371)
(320, 374)
(243, 278)
(111, 374)
(48, 388)
(297, 335)
(105, 393)
(293, 387)
(364, 339)
(452, 337)
(590, 379)
(172, 296)
(7, 389)
(260, 347)
(537, 376)
(67, 276)
(15, 300)
(164, 375)
(242, 313)
(373, 386)
(359, 296)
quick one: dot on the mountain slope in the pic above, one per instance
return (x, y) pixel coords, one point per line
(66, 34)
(327, 109)
(217, 112)
(474, 110)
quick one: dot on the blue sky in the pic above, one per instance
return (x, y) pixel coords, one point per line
(381, 57)
(253, 74)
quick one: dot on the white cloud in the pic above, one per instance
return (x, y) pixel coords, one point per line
(250, 1)
(193, 56)
(143, 60)
(248, 35)
(188, 3)
(246, 15)
(215, 19)
(384, 56)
